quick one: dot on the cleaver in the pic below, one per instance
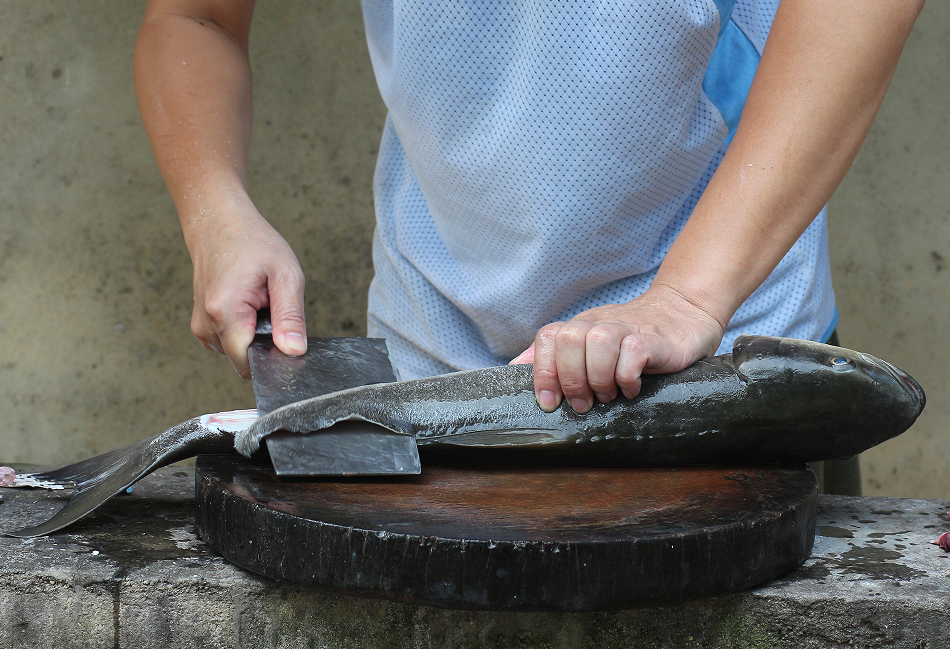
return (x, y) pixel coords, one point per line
(330, 364)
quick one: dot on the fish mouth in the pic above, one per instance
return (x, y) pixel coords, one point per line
(906, 380)
(914, 386)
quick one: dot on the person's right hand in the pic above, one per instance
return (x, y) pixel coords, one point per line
(242, 266)
(193, 83)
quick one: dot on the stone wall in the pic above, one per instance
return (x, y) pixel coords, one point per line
(134, 574)
(95, 281)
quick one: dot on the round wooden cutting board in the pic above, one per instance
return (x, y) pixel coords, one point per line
(514, 536)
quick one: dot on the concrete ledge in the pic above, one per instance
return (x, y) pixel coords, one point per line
(135, 575)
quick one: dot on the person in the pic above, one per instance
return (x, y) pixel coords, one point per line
(604, 189)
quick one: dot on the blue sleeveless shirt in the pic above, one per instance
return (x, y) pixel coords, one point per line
(539, 159)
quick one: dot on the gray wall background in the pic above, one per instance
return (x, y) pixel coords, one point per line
(95, 280)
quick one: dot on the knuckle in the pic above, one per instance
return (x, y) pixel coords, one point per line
(601, 384)
(627, 378)
(200, 327)
(631, 345)
(548, 331)
(285, 268)
(290, 316)
(602, 336)
(214, 307)
(574, 386)
(570, 335)
(544, 373)
(292, 277)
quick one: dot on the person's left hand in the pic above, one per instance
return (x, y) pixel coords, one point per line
(609, 347)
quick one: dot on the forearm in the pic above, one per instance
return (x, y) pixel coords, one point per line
(821, 80)
(193, 83)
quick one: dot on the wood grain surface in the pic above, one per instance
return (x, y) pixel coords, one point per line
(514, 536)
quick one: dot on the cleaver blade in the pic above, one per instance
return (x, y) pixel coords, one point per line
(330, 364)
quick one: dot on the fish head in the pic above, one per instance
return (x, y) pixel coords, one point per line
(819, 380)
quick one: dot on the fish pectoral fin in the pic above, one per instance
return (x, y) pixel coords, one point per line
(501, 437)
(365, 420)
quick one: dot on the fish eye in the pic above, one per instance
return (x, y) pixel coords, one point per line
(840, 361)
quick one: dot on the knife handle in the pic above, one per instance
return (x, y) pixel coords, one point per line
(263, 322)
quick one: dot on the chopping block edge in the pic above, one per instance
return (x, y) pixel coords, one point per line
(682, 549)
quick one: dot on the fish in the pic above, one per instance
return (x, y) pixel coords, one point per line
(98, 479)
(772, 400)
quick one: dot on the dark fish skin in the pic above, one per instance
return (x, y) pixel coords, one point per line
(98, 479)
(773, 400)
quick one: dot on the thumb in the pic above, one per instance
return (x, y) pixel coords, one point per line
(287, 317)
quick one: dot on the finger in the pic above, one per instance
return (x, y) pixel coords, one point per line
(203, 331)
(236, 335)
(571, 358)
(527, 356)
(634, 356)
(287, 313)
(603, 351)
(213, 347)
(547, 387)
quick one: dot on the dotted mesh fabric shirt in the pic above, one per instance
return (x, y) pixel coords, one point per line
(539, 159)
